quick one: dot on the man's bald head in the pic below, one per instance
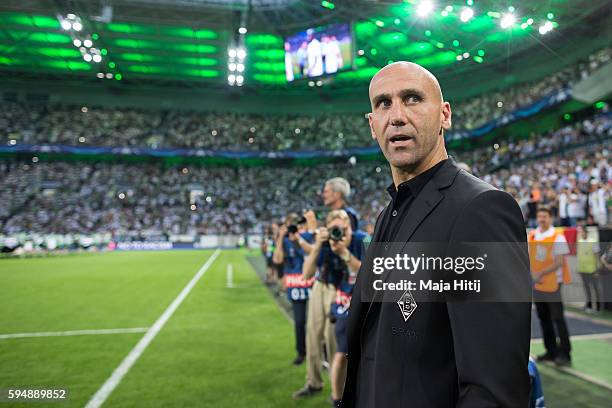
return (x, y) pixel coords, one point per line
(408, 69)
(408, 118)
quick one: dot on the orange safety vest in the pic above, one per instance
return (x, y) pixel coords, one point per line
(541, 257)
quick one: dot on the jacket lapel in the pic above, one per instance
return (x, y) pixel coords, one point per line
(427, 200)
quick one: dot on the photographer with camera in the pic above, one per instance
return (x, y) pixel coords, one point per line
(335, 257)
(292, 244)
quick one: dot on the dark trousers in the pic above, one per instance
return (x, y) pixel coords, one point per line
(299, 318)
(591, 289)
(549, 307)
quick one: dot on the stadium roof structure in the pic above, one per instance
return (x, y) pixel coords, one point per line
(185, 42)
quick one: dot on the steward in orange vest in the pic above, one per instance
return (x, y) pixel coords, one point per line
(547, 250)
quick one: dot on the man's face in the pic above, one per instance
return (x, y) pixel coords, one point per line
(329, 195)
(407, 115)
(544, 220)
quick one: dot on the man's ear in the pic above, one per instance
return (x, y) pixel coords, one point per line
(446, 116)
(370, 123)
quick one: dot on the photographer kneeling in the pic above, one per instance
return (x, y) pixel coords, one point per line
(336, 257)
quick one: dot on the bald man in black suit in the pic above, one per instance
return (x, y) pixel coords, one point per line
(436, 354)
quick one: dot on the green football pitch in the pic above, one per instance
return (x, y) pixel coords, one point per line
(146, 329)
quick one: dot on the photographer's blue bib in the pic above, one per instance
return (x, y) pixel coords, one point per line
(334, 270)
(298, 289)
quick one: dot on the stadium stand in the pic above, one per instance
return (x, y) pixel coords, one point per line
(33, 124)
(150, 200)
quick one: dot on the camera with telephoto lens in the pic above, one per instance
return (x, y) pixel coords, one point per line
(336, 233)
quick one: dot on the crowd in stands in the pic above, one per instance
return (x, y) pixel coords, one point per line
(475, 112)
(98, 126)
(152, 200)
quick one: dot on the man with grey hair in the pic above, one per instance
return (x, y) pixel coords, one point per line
(335, 194)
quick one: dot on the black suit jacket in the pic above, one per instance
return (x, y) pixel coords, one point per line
(448, 354)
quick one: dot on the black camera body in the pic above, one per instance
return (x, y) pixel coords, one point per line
(293, 227)
(336, 233)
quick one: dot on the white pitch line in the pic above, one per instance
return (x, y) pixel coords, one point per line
(73, 333)
(230, 276)
(594, 336)
(111, 383)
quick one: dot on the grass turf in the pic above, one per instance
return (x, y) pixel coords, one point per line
(222, 348)
(591, 357)
(566, 391)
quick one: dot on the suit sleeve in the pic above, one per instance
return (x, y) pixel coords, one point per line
(491, 339)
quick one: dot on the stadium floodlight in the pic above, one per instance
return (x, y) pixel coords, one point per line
(87, 43)
(424, 8)
(507, 20)
(239, 80)
(231, 79)
(466, 55)
(66, 25)
(242, 30)
(100, 75)
(311, 83)
(109, 76)
(241, 53)
(231, 53)
(360, 52)
(76, 42)
(466, 14)
(97, 58)
(545, 28)
(87, 57)
(240, 67)
(71, 16)
(231, 66)
(76, 26)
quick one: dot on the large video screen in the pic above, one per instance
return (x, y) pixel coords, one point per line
(318, 51)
